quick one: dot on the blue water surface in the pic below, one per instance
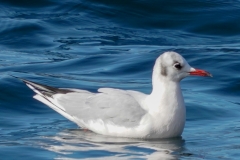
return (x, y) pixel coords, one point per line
(114, 43)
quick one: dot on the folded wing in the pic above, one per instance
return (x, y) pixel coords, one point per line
(111, 106)
(117, 107)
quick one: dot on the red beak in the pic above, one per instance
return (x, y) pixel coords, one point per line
(199, 72)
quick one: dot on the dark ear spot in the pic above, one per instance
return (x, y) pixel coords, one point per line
(175, 62)
(163, 70)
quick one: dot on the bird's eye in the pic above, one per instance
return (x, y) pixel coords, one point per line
(177, 66)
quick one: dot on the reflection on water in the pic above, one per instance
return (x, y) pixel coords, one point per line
(71, 143)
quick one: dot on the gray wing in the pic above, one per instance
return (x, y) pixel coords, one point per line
(123, 108)
(110, 105)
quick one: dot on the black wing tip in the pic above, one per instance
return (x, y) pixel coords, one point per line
(14, 76)
(24, 80)
(44, 88)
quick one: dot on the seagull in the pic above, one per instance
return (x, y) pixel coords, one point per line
(127, 113)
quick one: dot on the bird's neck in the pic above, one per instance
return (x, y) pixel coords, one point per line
(166, 94)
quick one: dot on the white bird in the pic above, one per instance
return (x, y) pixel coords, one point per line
(127, 113)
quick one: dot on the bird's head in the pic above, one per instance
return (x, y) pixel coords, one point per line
(173, 66)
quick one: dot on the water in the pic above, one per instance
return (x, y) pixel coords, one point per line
(92, 44)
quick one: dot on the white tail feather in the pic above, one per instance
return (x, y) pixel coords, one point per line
(32, 88)
(48, 103)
